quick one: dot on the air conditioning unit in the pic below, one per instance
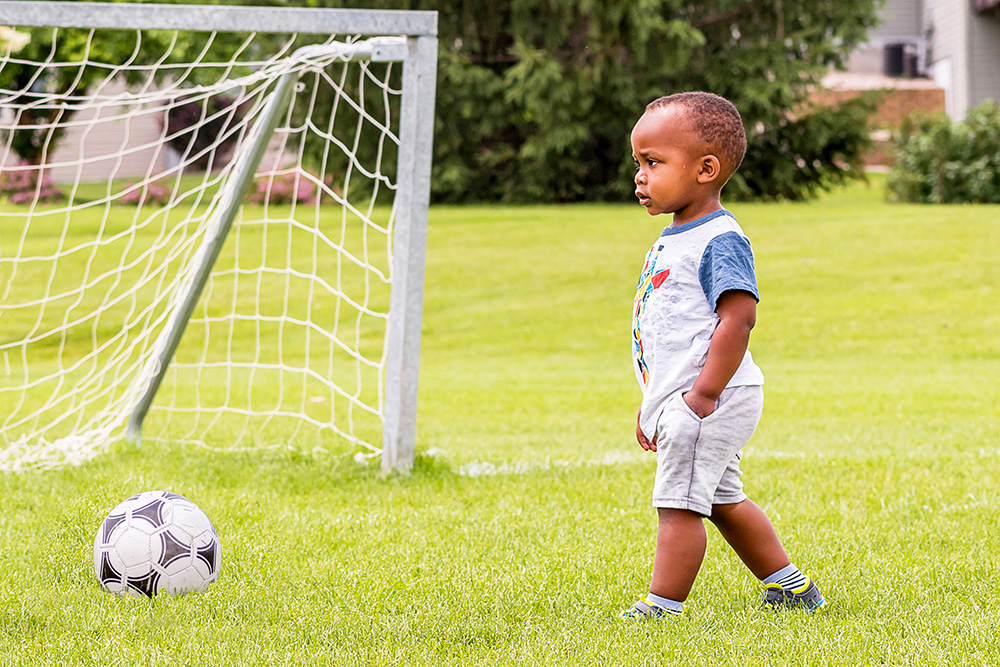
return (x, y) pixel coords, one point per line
(900, 60)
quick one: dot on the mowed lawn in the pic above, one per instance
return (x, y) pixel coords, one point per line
(525, 527)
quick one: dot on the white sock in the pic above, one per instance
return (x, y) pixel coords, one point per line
(788, 577)
(666, 604)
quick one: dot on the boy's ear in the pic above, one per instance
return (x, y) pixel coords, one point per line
(709, 169)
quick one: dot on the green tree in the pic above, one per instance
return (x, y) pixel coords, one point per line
(536, 97)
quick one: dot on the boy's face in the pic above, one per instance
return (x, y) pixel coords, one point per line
(668, 158)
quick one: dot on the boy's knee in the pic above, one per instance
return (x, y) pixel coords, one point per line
(722, 513)
(671, 514)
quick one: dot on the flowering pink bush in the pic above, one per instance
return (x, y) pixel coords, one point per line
(150, 194)
(287, 188)
(20, 185)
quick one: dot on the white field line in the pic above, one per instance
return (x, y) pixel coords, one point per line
(489, 469)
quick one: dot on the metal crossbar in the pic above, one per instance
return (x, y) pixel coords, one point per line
(215, 17)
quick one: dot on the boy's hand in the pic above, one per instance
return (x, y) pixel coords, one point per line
(644, 442)
(700, 404)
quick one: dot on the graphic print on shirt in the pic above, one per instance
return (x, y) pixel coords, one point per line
(648, 281)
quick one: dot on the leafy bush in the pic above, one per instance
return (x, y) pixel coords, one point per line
(288, 187)
(149, 193)
(943, 162)
(20, 185)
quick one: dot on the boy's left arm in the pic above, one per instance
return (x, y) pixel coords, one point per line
(737, 312)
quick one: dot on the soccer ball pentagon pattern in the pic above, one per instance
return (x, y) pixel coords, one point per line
(156, 541)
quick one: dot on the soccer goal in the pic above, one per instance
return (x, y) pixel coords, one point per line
(212, 227)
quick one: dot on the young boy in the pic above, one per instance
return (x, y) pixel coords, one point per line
(702, 392)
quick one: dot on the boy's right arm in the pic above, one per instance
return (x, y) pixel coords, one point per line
(644, 442)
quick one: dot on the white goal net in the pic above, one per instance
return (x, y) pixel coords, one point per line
(122, 152)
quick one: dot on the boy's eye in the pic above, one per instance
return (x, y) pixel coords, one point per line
(653, 162)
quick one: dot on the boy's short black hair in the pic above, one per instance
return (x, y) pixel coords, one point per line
(716, 120)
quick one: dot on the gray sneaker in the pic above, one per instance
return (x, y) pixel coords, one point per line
(642, 611)
(807, 597)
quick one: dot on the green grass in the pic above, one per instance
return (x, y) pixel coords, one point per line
(526, 524)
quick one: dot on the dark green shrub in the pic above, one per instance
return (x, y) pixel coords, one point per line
(939, 161)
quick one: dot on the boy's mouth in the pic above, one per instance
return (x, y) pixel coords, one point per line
(643, 199)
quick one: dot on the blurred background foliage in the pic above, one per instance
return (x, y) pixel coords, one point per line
(536, 98)
(939, 161)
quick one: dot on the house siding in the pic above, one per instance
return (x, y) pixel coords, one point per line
(984, 56)
(898, 19)
(949, 20)
(109, 143)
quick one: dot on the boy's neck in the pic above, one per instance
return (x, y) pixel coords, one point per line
(696, 211)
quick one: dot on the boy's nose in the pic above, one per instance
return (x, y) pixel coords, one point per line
(639, 177)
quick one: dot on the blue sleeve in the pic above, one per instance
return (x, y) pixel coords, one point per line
(727, 264)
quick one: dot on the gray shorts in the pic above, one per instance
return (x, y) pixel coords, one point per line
(698, 460)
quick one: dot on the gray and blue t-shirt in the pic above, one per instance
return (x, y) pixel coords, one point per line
(686, 271)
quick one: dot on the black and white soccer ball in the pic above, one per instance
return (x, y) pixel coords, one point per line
(156, 541)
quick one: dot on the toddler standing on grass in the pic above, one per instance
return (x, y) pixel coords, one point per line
(702, 392)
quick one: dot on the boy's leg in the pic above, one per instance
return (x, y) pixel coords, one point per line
(680, 548)
(749, 532)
